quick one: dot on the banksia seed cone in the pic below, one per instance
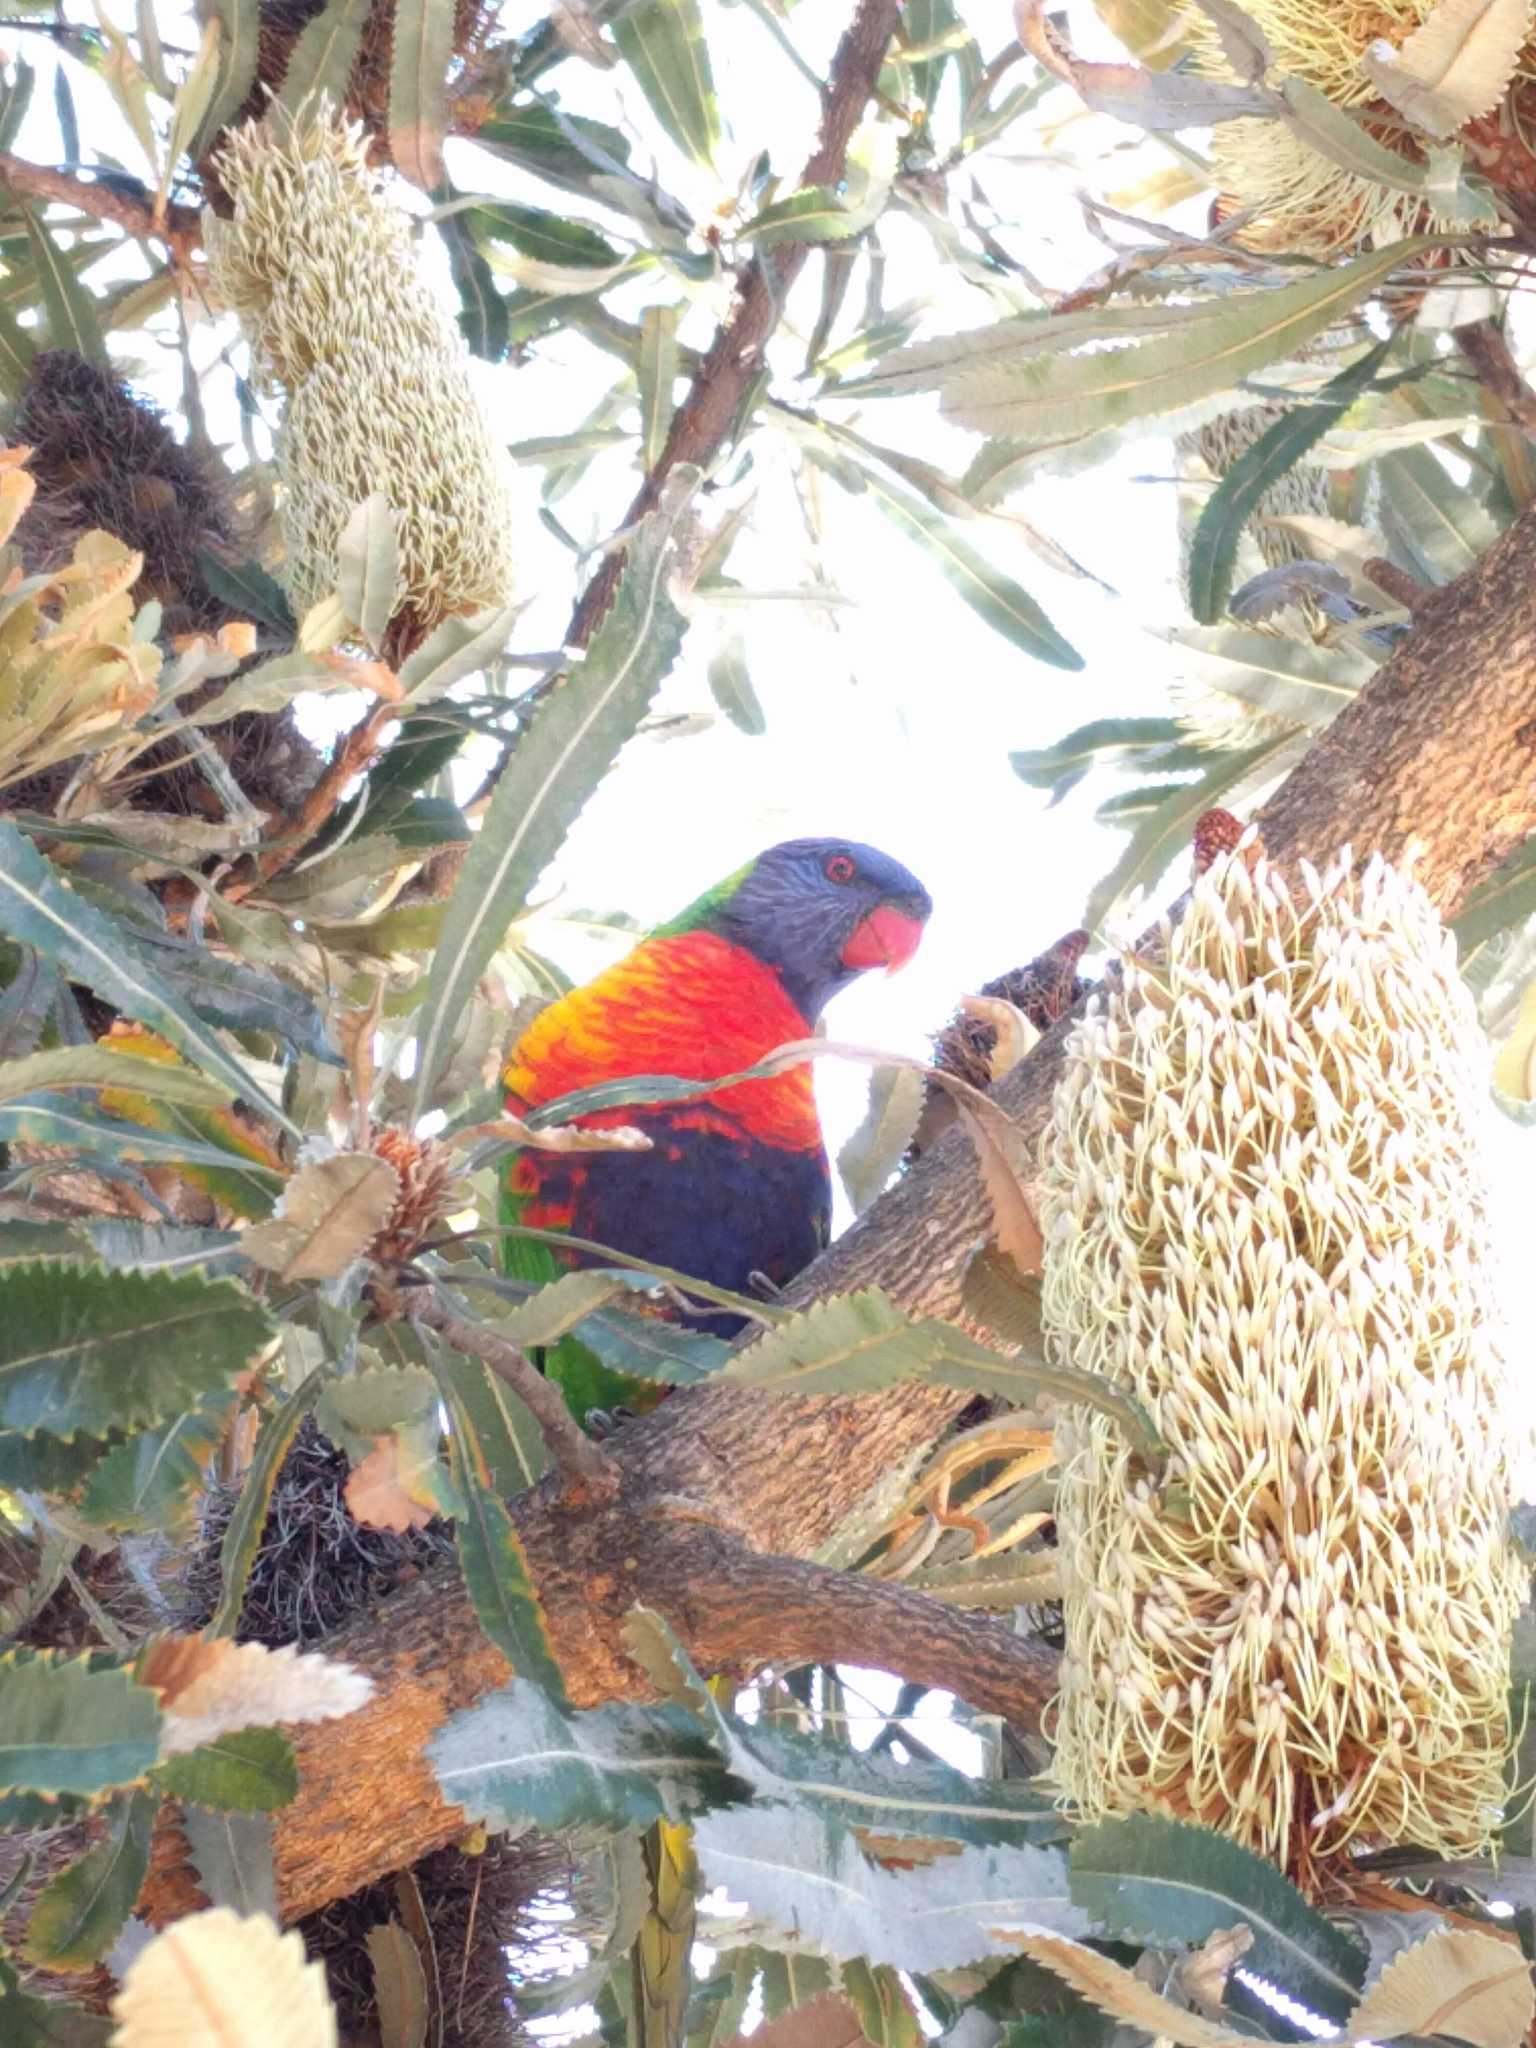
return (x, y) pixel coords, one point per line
(1263, 1211)
(320, 269)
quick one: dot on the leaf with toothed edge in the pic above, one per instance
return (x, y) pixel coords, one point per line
(1164, 1881)
(79, 1913)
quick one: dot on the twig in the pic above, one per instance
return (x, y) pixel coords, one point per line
(179, 227)
(584, 1467)
(1485, 347)
(711, 412)
(354, 754)
(1402, 588)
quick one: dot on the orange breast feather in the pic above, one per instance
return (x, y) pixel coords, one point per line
(691, 1004)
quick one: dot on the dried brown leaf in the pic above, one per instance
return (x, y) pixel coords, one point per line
(1456, 1982)
(1015, 1035)
(1457, 64)
(208, 1688)
(215, 1980)
(385, 1490)
(1124, 1997)
(330, 1213)
(511, 1130)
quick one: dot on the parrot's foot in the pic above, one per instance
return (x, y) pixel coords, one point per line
(602, 1423)
(764, 1288)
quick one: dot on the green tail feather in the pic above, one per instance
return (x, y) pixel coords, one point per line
(583, 1379)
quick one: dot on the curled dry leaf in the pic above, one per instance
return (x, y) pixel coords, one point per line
(329, 1214)
(1456, 66)
(385, 1490)
(1016, 1036)
(1145, 99)
(1202, 1977)
(215, 1980)
(511, 1130)
(208, 1689)
(1124, 1997)
(1468, 1985)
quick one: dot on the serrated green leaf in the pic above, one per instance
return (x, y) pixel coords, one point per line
(66, 1727)
(79, 1914)
(368, 567)
(58, 1120)
(657, 374)
(421, 50)
(151, 1481)
(570, 742)
(97, 1066)
(730, 684)
(242, 1538)
(1289, 679)
(250, 1769)
(29, 1812)
(816, 213)
(250, 591)
(547, 1315)
(325, 55)
(492, 1561)
(1104, 742)
(46, 1464)
(809, 1878)
(1004, 604)
(645, 1349)
(37, 909)
(516, 1758)
(453, 650)
(848, 1344)
(564, 149)
(1162, 1881)
(1235, 500)
(1049, 398)
(544, 237)
(1158, 838)
(662, 41)
(69, 309)
(84, 1350)
(239, 43)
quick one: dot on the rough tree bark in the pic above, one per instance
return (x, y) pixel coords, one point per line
(723, 1490)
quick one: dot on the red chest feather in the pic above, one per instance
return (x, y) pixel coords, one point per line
(693, 1005)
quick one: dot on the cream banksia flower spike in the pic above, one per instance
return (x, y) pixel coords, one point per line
(319, 267)
(1264, 1212)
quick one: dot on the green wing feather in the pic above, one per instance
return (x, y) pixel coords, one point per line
(581, 1376)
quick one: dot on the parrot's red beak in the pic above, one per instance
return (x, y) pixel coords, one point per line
(887, 938)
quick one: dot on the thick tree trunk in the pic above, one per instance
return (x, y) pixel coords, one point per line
(724, 1489)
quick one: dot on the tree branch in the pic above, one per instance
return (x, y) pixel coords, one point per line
(586, 1473)
(711, 412)
(178, 227)
(1438, 749)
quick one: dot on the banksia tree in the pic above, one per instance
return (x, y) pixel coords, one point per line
(1263, 1213)
(318, 264)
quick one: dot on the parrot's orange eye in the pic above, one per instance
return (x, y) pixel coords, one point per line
(840, 868)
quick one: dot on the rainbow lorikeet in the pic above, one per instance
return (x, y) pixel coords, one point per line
(736, 1184)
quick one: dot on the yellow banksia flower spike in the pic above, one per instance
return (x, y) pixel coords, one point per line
(1264, 1212)
(318, 264)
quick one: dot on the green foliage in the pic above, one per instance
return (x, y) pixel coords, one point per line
(79, 1913)
(69, 1725)
(250, 1769)
(1161, 1882)
(85, 1350)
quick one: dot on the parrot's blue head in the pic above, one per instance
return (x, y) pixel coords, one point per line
(820, 911)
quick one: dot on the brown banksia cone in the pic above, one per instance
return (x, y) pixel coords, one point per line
(105, 459)
(1265, 1213)
(319, 266)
